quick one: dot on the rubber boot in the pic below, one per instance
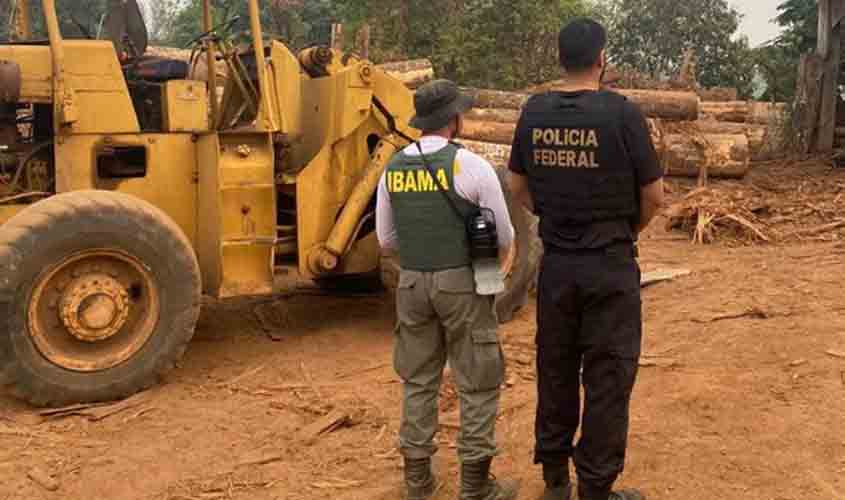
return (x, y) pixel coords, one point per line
(558, 485)
(419, 480)
(476, 483)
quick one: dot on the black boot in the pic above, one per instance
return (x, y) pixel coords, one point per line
(628, 494)
(587, 493)
(419, 480)
(558, 486)
(476, 483)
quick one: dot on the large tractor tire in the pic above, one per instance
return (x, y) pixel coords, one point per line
(99, 297)
(523, 277)
(529, 250)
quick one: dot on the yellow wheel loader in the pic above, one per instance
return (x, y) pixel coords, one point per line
(129, 187)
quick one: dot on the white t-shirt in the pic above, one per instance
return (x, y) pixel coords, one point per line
(475, 181)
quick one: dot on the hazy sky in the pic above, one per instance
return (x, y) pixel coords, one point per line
(757, 23)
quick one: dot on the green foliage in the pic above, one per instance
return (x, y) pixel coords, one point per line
(77, 18)
(652, 35)
(778, 61)
(492, 43)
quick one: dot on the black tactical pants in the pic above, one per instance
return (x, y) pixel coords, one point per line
(589, 332)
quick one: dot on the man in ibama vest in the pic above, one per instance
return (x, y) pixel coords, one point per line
(441, 316)
(584, 162)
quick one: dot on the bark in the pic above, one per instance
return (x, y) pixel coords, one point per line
(654, 103)
(725, 156)
(829, 49)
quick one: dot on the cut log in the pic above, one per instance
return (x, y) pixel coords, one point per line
(493, 115)
(733, 111)
(406, 66)
(719, 94)
(503, 133)
(665, 105)
(413, 73)
(654, 103)
(725, 156)
(486, 98)
(756, 134)
(497, 133)
(766, 113)
(497, 154)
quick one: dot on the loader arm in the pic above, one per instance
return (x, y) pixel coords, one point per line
(361, 120)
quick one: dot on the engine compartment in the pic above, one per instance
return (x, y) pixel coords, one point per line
(27, 168)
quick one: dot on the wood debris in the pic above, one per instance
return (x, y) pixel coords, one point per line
(661, 275)
(96, 412)
(40, 477)
(260, 459)
(708, 215)
(658, 363)
(336, 484)
(752, 312)
(325, 425)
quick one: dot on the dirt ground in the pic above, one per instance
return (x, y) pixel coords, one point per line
(741, 394)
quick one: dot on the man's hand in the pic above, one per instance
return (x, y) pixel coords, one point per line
(519, 191)
(651, 202)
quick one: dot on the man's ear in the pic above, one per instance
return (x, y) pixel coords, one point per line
(602, 62)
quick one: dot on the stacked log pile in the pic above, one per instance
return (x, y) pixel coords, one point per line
(688, 133)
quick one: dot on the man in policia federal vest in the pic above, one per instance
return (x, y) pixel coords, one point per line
(584, 162)
(440, 315)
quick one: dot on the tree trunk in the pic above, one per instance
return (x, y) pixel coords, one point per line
(830, 49)
(807, 102)
(724, 156)
(654, 103)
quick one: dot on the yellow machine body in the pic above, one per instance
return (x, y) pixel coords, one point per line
(278, 172)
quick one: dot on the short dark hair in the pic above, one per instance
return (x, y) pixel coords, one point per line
(580, 43)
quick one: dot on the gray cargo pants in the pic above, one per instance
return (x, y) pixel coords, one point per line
(440, 317)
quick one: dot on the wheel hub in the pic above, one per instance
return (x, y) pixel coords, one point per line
(94, 307)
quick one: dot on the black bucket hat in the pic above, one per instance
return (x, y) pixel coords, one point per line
(438, 102)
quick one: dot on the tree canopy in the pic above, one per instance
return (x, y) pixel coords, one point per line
(778, 60)
(507, 44)
(651, 36)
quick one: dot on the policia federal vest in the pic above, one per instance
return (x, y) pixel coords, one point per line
(431, 237)
(578, 167)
